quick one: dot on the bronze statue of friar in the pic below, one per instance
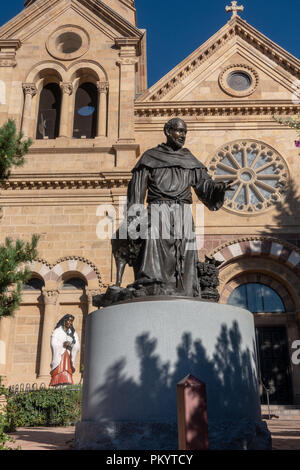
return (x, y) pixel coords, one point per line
(164, 257)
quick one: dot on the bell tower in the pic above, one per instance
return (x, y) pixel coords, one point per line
(124, 8)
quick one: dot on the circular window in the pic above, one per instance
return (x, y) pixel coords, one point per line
(238, 80)
(68, 43)
(259, 173)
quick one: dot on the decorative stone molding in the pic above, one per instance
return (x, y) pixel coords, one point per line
(66, 182)
(80, 264)
(269, 247)
(267, 47)
(235, 27)
(128, 46)
(167, 110)
(8, 48)
(244, 69)
(53, 272)
(260, 175)
(203, 56)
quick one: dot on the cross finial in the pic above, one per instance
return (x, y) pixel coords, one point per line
(234, 8)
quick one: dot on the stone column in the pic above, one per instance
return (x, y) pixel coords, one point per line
(50, 301)
(127, 63)
(30, 91)
(65, 122)
(102, 108)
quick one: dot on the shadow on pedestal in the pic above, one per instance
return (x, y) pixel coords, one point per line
(232, 395)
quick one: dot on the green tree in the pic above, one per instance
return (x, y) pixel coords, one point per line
(13, 254)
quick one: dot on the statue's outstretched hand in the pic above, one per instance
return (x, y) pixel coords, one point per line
(228, 185)
(225, 186)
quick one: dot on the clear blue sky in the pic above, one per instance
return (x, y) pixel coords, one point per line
(175, 28)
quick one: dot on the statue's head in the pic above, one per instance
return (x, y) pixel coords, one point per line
(66, 322)
(175, 130)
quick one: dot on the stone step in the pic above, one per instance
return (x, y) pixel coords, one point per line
(281, 411)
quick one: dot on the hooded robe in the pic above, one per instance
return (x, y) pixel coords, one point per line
(167, 176)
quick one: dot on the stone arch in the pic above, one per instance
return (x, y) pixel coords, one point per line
(38, 77)
(41, 268)
(86, 68)
(271, 268)
(261, 278)
(75, 264)
(70, 264)
(39, 70)
(269, 247)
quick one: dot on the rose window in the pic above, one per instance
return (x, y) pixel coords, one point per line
(260, 175)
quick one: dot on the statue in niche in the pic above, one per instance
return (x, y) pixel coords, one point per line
(65, 346)
(164, 255)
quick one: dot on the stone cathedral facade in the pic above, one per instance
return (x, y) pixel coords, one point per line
(73, 75)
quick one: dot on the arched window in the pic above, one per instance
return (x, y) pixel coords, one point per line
(256, 297)
(74, 283)
(49, 112)
(86, 111)
(34, 284)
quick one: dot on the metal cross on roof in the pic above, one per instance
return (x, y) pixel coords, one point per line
(234, 8)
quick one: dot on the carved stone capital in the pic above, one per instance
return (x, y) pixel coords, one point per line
(66, 88)
(102, 87)
(29, 89)
(127, 61)
(50, 296)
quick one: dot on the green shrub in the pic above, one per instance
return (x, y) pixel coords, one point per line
(4, 438)
(45, 407)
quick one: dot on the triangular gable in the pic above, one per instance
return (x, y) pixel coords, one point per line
(42, 12)
(236, 32)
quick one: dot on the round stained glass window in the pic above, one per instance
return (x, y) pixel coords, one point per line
(260, 175)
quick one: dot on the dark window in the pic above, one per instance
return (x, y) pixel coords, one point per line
(239, 81)
(86, 111)
(74, 283)
(49, 112)
(274, 365)
(256, 298)
(34, 284)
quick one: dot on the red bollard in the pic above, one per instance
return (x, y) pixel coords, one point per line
(192, 414)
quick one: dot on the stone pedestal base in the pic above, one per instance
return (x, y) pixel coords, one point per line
(136, 352)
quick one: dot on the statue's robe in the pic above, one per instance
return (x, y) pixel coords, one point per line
(167, 176)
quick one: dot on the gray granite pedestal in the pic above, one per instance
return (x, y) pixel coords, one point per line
(135, 354)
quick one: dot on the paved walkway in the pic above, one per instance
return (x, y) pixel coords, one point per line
(285, 436)
(44, 438)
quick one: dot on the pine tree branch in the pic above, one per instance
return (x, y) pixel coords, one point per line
(14, 255)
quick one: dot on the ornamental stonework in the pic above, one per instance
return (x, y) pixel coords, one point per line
(259, 173)
(239, 80)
